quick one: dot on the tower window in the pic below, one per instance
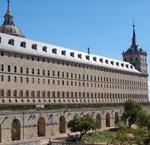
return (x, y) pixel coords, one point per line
(136, 59)
(23, 44)
(34, 46)
(11, 42)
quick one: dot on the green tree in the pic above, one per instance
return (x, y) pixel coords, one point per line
(132, 110)
(122, 135)
(82, 124)
(140, 136)
(144, 120)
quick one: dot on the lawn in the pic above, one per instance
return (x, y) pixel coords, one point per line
(99, 137)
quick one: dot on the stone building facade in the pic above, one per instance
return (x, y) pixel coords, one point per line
(35, 73)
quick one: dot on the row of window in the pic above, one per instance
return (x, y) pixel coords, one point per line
(136, 59)
(58, 94)
(38, 101)
(62, 82)
(48, 73)
(72, 54)
(69, 64)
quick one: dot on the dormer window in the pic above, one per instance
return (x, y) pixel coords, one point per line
(106, 61)
(94, 58)
(117, 63)
(79, 55)
(11, 42)
(101, 60)
(44, 48)
(72, 54)
(88, 57)
(54, 50)
(63, 52)
(112, 62)
(23, 44)
(127, 65)
(122, 65)
(34, 46)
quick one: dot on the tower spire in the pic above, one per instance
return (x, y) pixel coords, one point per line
(8, 6)
(8, 18)
(134, 45)
(8, 25)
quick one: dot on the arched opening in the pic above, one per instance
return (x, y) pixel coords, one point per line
(98, 120)
(62, 124)
(0, 133)
(41, 127)
(107, 120)
(75, 116)
(15, 130)
(116, 117)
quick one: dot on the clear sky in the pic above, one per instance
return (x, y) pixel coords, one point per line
(103, 25)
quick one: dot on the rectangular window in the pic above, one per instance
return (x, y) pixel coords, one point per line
(2, 78)
(2, 67)
(8, 78)
(21, 69)
(32, 70)
(15, 69)
(9, 68)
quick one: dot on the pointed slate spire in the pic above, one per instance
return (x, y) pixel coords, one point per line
(8, 6)
(134, 45)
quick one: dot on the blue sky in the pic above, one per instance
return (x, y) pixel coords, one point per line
(103, 25)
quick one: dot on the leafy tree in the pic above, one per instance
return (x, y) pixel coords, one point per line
(140, 136)
(132, 111)
(82, 124)
(122, 135)
(144, 120)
